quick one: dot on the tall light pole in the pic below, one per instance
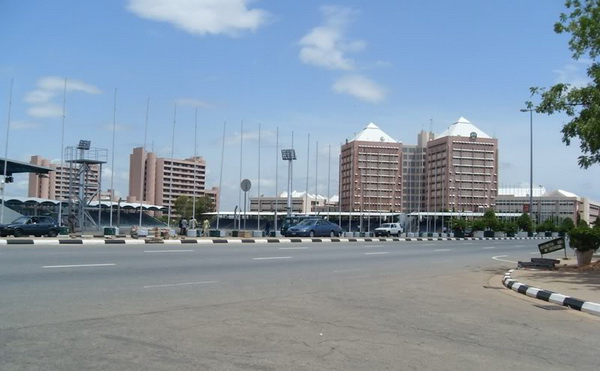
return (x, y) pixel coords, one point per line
(530, 110)
(289, 155)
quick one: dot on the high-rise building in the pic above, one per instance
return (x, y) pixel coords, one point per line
(371, 172)
(458, 170)
(461, 169)
(55, 185)
(159, 181)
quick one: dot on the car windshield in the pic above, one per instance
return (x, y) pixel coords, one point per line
(386, 225)
(20, 220)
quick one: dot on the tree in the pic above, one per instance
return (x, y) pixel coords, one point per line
(581, 104)
(524, 222)
(566, 225)
(184, 206)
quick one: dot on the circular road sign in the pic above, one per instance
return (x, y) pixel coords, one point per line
(246, 185)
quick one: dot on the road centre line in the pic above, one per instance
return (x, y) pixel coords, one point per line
(442, 250)
(273, 258)
(166, 251)
(294, 248)
(376, 253)
(503, 260)
(489, 247)
(79, 265)
(181, 284)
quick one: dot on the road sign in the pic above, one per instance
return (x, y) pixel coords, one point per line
(552, 245)
(246, 185)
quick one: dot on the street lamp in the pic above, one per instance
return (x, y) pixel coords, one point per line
(530, 110)
(289, 155)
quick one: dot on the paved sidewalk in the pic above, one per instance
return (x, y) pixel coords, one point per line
(578, 288)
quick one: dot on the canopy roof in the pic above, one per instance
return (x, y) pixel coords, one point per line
(372, 133)
(13, 167)
(463, 128)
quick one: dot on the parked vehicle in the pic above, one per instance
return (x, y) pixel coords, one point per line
(31, 225)
(313, 228)
(294, 220)
(389, 229)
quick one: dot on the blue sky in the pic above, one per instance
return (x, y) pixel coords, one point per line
(324, 69)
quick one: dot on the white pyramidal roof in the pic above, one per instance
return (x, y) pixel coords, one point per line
(463, 128)
(372, 133)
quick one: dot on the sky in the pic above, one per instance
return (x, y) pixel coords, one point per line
(247, 77)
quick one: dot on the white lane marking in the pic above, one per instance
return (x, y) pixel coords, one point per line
(374, 246)
(376, 253)
(79, 265)
(293, 248)
(166, 251)
(442, 250)
(273, 258)
(347, 270)
(489, 247)
(503, 260)
(534, 253)
(519, 246)
(181, 284)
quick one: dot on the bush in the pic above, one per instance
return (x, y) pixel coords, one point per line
(584, 238)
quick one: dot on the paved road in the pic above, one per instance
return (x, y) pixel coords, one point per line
(317, 306)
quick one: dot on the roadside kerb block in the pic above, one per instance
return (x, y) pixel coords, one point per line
(550, 296)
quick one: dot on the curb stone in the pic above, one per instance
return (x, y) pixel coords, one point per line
(550, 296)
(101, 241)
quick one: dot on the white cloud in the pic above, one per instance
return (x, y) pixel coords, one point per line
(23, 125)
(325, 46)
(39, 96)
(45, 110)
(360, 87)
(193, 103)
(201, 17)
(52, 83)
(574, 74)
(49, 88)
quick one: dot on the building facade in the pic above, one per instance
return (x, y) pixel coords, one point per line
(461, 169)
(159, 181)
(56, 184)
(555, 205)
(371, 172)
(455, 171)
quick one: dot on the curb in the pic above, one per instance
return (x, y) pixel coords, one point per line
(550, 296)
(100, 241)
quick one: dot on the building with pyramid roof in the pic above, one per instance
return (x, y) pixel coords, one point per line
(456, 170)
(461, 169)
(370, 172)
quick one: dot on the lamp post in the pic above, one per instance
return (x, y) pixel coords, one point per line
(530, 110)
(289, 155)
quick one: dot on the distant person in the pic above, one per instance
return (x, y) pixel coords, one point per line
(267, 228)
(193, 223)
(71, 222)
(183, 224)
(205, 227)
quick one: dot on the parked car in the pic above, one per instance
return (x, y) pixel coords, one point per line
(388, 229)
(314, 227)
(31, 225)
(294, 220)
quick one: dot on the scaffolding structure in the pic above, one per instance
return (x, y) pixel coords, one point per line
(85, 182)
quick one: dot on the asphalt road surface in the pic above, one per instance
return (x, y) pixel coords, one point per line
(315, 306)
